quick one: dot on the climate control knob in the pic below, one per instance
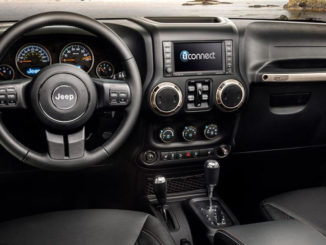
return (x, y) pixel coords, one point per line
(189, 133)
(166, 98)
(211, 131)
(167, 135)
(230, 95)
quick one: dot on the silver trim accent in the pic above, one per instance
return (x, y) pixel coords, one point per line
(158, 88)
(220, 90)
(159, 180)
(294, 77)
(212, 164)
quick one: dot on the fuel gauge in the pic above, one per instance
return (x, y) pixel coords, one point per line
(105, 70)
(6, 73)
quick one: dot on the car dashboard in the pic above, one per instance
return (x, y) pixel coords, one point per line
(28, 56)
(212, 89)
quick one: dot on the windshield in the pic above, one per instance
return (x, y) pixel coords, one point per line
(308, 10)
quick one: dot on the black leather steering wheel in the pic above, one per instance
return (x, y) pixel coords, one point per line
(64, 97)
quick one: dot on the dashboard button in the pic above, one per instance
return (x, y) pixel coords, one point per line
(211, 131)
(3, 99)
(150, 156)
(195, 153)
(188, 155)
(189, 133)
(191, 97)
(167, 135)
(180, 155)
(191, 88)
(204, 97)
(165, 156)
(12, 98)
(167, 55)
(205, 87)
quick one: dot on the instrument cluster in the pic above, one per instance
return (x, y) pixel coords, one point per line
(32, 57)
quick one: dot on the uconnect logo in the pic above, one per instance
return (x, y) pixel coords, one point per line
(185, 56)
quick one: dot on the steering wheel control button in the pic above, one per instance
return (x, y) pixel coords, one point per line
(8, 97)
(211, 131)
(189, 133)
(166, 98)
(198, 94)
(64, 97)
(230, 95)
(3, 99)
(167, 135)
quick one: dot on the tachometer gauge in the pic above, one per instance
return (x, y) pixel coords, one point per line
(6, 73)
(78, 54)
(105, 70)
(31, 58)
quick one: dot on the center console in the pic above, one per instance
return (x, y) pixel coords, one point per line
(195, 93)
(193, 104)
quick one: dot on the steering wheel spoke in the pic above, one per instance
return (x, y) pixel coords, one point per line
(112, 94)
(65, 147)
(12, 94)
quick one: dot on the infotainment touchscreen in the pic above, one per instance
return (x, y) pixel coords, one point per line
(201, 56)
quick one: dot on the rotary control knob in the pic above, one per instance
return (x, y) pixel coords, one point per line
(166, 98)
(189, 133)
(211, 131)
(230, 95)
(167, 135)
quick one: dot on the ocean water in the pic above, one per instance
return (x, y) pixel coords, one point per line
(261, 9)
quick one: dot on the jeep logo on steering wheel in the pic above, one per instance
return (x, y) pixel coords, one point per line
(64, 97)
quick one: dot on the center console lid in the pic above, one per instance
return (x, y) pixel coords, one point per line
(286, 232)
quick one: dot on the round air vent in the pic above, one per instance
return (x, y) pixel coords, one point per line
(230, 95)
(166, 98)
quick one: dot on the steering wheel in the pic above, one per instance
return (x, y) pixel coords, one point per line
(64, 97)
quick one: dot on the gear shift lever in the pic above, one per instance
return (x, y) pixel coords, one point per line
(212, 173)
(160, 190)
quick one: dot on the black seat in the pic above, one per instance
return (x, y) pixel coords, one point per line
(307, 206)
(86, 227)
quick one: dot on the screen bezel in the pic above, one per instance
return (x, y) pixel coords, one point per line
(205, 72)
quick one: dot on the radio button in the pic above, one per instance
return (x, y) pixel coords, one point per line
(228, 43)
(167, 61)
(168, 69)
(167, 50)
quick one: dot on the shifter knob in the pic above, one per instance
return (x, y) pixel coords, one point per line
(160, 189)
(212, 172)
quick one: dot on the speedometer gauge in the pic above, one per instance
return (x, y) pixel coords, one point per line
(6, 72)
(78, 54)
(31, 58)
